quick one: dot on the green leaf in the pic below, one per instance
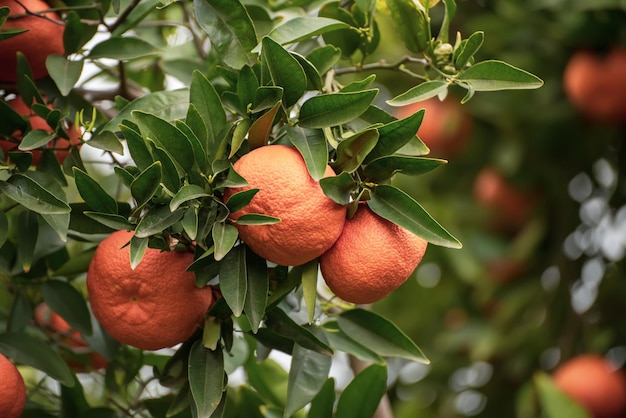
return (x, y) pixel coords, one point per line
(35, 139)
(339, 188)
(64, 72)
(107, 141)
(247, 85)
(258, 285)
(29, 228)
(307, 375)
(168, 137)
(397, 134)
(230, 29)
(497, 75)
(206, 378)
(285, 70)
(185, 194)
(467, 49)
(156, 220)
(554, 402)
(324, 58)
(26, 191)
(359, 85)
(266, 97)
(323, 404)
(421, 92)
(170, 172)
(309, 287)
(346, 40)
(259, 132)
(313, 78)
(116, 222)
(379, 335)
(398, 207)
(335, 108)
(10, 33)
(371, 381)
(93, 194)
(233, 279)
(338, 340)
(240, 199)
(28, 350)
(199, 152)
(146, 184)
(269, 379)
(411, 23)
(304, 27)
(59, 223)
(256, 219)
(279, 322)
(21, 313)
(312, 146)
(4, 228)
(68, 302)
(450, 11)
(384, 168)
(206, 101)
(352, 151)
(224, 238)
(138, 248)
(122, 48)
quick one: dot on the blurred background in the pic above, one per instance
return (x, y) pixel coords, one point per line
(535, 189)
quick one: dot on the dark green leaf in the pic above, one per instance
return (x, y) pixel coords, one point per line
(304, 27)
(411, 23)
(210, 109)
(230, 29)
(185, 194)
(313, 147)
(256, 219)
(371, 381)
(26, 191)
(199, 152)
(93, 194)
(324, 58)
(35, 139)
(28, 350)
(346, 40)
(21, 313)
(338, 340)
(450, 11)
(339, 188)
(421, 92)
(10, 33)
(116, 222)
(247, 85)
(352, 151)
(395, 135)
(497, 75)
(122, 48)
(266, 97)
(279, 322)
(379, 335)
(59, 223)
(269, 379)
(206, 378)
(156, 220)
(107, 141)
(307, 375)
(65, 73)
(224, 238)
(468, 48)
(323, 404)
(258, 284)
(398, 207)
(29, 228)
(170, 172)
(359, 85)
(334, 108)
(313, 78)
(384, 168)
(240, 199)
(285, 70)
(138, 248)
(4, 228)
(146, 184)
(233, 279)
(68, 302)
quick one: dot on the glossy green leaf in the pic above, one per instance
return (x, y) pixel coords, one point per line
(307, 375)
(346, 40)
(371, 381)
(313, 78)
(206, 378)
(323, 404)
(224, 238)
(285, 71)
(352, 151)
(107, 141)
(170, 173)
(185, 194)
(240, 199)
(190, 222)
(233, 279)
(240, 134)
(138, 248)
(397, 134)
(304, 27)
(116, 222)
(256, 219)
(247, 85)
(122, 48)
(359, 85)
(59, 223)
(258, 285)
(93, 194)
(309, 287)
(64, 72)
(199, 152)
(35, 139)
(312, 146)
(28, 350)
(379, 335)
(450, 11)
(398, 207)
(266, 97)
(269, 379)
(67, 301)
(339, 188)
(168, 137)
(157, 219)
(28, 192)
(419, 93)
(338, 340)
(468, 48)
(279, 322)
(384, 168)
(10, 33)
(324, 58)
(260, 130)
(497, 75)
(555, 403)
(230, 29)
(146, 184)
(334, 108)
(411, 24)
(210, 109)
(29, 228)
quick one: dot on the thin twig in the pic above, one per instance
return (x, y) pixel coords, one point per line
(382, 65)
(122, 17)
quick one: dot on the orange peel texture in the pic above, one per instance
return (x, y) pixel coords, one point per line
(12, 389)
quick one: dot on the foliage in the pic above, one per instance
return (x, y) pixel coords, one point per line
(189, 87)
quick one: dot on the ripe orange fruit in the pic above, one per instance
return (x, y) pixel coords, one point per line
(75, 349)
(154, 306)
(446, 128)
(44, 37)
(595, 384)
(310, 221)
(596, 84)
(12, 389)
(372, 257)
(37, 122)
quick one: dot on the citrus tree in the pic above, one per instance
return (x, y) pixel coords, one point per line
(244, 145)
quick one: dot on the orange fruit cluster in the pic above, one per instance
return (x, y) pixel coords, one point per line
(154, 306)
